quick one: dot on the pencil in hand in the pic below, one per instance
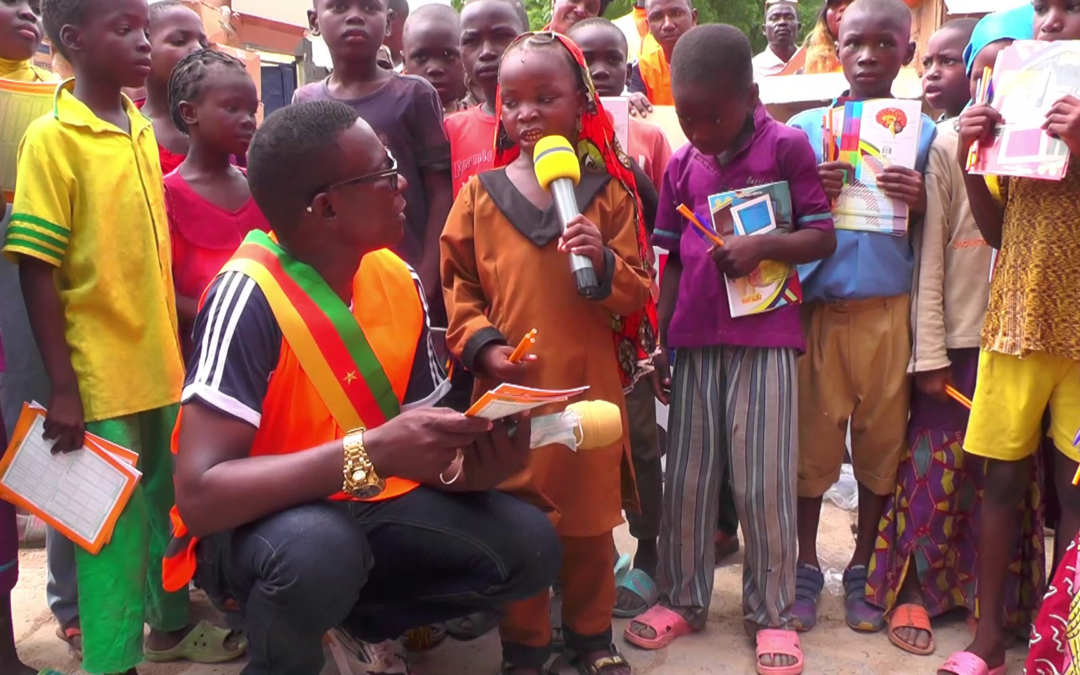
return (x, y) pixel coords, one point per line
(957, 396)
(523, 347)
(685, 212)
(983, 94)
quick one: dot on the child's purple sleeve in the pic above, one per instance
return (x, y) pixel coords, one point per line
(809, 205)
(667, 232)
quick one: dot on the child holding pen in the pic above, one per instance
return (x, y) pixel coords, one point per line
(734, 391)
(506, 270)
(1030, 356)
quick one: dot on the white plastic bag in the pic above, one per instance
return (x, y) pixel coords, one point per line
(845, 492)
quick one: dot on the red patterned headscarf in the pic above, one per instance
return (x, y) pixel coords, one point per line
(635, 335)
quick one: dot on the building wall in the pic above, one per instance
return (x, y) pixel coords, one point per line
(292, 12)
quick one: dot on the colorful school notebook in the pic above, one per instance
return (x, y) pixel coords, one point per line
(870, 136)
(1029, 77)
(751, 212)
(511, 399)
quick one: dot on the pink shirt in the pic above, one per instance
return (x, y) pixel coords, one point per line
(204, 235)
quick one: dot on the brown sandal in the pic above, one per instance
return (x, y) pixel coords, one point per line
(910, 616)
(602, 665)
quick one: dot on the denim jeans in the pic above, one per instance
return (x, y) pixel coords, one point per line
(375, 569)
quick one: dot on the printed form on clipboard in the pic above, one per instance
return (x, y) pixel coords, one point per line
(511, 399)
(81, 493)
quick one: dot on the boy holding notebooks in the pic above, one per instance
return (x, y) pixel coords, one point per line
(89, 233)
(1030, 358)
(744, 366)
(857, 326)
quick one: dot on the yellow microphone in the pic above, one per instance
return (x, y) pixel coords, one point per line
(600, 424)
(558, 171)
(581, 426)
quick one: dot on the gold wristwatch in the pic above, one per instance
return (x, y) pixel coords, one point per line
(361, 481)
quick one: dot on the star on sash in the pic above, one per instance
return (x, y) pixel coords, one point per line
(350, 377)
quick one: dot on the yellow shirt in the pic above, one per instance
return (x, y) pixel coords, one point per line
(89, 201)
(1037, 279)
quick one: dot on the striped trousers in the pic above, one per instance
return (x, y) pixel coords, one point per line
(736, 404)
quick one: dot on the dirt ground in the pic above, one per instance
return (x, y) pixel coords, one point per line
(722, 649)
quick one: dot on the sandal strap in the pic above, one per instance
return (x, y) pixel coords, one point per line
(599, 666)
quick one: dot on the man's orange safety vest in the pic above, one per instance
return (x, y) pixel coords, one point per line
(338, 370)
(653, 66)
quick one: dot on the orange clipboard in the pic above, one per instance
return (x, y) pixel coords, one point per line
(27, 420)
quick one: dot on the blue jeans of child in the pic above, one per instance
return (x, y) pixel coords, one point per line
(375, 569)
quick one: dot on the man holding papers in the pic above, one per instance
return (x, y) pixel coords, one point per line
(309, 460)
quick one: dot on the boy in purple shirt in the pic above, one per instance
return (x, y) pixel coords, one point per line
(734, 394)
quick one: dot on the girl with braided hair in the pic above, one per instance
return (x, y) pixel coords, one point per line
(212, 103)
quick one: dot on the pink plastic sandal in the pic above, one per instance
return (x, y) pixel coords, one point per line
(772, 642)
(667, 625)
(966, 663)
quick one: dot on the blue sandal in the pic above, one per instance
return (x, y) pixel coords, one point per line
(860, 615)
(642, 585)
(808, 584)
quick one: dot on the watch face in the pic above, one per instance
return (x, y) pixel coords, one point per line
(369, 491)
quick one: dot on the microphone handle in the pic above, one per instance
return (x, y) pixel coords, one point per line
(562, 191)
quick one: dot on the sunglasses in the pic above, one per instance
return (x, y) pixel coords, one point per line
(389, 174)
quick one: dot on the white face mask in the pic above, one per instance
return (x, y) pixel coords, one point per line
(583, 425)
(563, 428)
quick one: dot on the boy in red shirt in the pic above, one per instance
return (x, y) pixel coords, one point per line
(487, 29)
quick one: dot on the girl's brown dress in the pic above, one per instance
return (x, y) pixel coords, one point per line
(503, 275)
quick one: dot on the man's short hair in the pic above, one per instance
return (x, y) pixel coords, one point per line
(55, 14)
(895, 11)
(599, 22)
(710, 52)
(294, 155)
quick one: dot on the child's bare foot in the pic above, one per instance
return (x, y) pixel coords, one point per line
(990, 648)
(914, 636)
(777, 648)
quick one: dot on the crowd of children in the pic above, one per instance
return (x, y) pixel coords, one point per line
(125, 213)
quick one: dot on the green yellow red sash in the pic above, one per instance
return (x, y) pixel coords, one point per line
(325, 336)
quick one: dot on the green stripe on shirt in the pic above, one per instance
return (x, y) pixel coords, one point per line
(32, 250)
(60, 232)
(37, 236)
